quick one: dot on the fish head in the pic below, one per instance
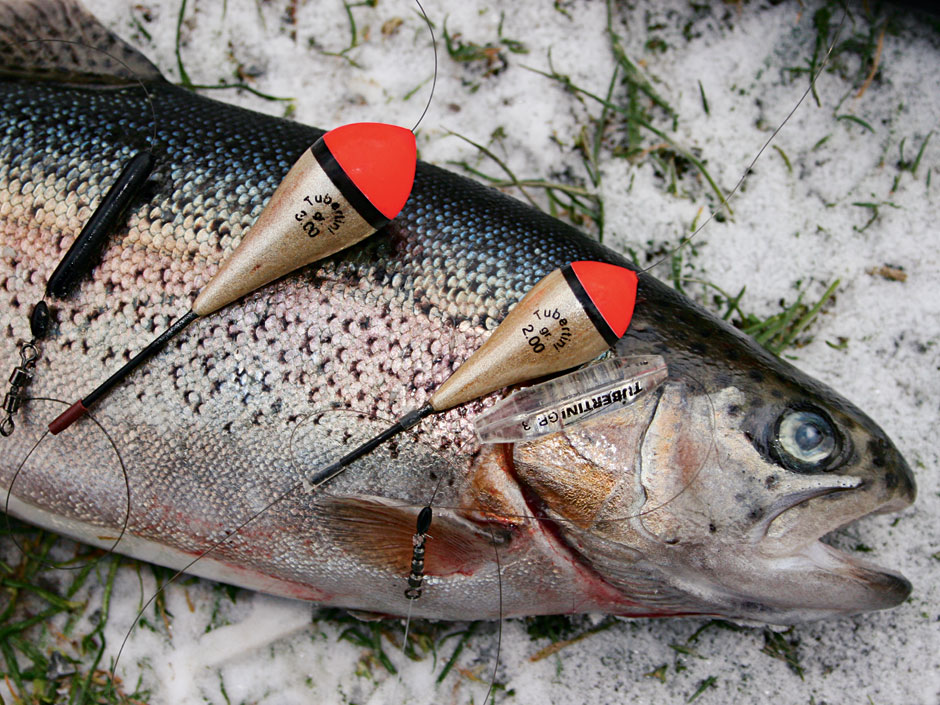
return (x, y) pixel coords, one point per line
(710, 495)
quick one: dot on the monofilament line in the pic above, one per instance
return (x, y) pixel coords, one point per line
(153, 111)
(767, 143)
(228, 535)
(434, 77)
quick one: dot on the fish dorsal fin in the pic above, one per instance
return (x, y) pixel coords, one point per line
(77, 47)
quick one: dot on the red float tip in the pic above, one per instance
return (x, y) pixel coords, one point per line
(67, 418)
(612, 290)
(379, 159)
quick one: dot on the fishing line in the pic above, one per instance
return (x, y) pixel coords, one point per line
(179, 573)
(434, 77)
(415, 588)
(153, 112)
(724, 205)
(710, 434)
(240, 527)
(19, 470)
(314, 419)
(404, 643)
(499, 621)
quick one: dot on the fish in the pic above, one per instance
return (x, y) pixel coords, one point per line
(367, 335)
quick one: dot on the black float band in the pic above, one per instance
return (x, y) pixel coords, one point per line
(607, 333)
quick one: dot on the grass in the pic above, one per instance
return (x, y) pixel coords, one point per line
(51, 631)
(856, 57)
(702, 687)
(487, 59)
(784, 646)
(631, 121)
(439, 641)
(780, 331)
(563, 624)
(186, 82)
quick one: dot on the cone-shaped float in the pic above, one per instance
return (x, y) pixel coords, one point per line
(350, 183)
(569, 317)
(572, 315)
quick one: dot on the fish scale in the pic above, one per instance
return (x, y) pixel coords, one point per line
(232, 413)
(432, 248)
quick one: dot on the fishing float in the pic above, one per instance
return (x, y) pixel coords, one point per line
(350, 183)
(567, 318)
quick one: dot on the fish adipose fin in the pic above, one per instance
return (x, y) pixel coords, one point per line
(59, 40)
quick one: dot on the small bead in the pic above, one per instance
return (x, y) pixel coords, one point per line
(424, 520)
(39, 320)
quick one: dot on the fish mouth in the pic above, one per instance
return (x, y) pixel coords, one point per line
(801, 533)
(862, 585)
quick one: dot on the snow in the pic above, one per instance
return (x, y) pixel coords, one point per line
(797, 225)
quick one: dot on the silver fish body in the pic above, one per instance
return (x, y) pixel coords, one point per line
(695, 501)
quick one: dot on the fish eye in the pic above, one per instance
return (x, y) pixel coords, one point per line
(805, 441)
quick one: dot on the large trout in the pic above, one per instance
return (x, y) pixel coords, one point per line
(708, 496)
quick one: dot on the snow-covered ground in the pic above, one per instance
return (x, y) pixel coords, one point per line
(801, 222)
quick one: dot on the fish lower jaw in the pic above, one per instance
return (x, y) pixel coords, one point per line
(816, 582)
(865, 586)
(828, 581)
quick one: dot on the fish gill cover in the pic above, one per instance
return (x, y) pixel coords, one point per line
(815, 218)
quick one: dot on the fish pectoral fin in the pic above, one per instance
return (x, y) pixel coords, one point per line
(59, 40)
(365, 616)
(380, 533)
